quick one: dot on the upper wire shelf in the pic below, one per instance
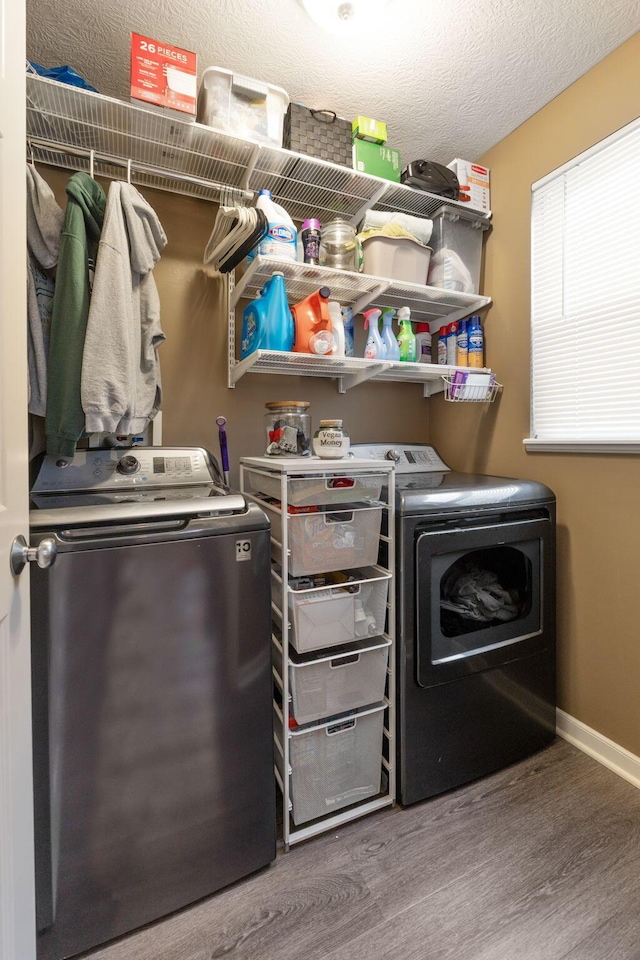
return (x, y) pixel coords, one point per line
(189, 158)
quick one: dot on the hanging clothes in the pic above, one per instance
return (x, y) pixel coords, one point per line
(121, 388)
(44, 231)
(76, 261)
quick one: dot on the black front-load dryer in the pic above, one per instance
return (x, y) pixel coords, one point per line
(475, 620)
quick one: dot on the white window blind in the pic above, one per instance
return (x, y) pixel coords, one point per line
(585, 298)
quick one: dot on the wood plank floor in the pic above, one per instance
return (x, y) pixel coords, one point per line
(540, 861)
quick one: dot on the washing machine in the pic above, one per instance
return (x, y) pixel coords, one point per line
(476, 629)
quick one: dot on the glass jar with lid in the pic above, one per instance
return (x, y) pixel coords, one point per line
(331, 440)
(339, 246)
(288, 428)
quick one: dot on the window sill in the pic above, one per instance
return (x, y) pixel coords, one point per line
(533, 445)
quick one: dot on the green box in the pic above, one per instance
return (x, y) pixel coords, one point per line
(379, 161)
(366, 128)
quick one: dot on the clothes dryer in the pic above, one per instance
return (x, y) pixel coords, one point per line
(475, 620)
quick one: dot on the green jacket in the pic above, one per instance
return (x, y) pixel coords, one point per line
(78, 248)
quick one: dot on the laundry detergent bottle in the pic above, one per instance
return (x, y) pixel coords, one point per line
(267, 323)
(374, 348)
(388, 336)
(337, 327)
(281, 239)
(313, 332)
(406, 337)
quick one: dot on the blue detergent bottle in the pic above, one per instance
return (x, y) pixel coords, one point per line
(375, 348)
(267, 323)
(388, 336)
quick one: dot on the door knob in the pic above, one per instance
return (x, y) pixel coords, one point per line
(44, 554)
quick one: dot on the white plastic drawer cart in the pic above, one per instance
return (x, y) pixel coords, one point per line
(333, 637)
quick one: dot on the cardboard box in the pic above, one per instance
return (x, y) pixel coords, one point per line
(379, 161)
(474, 184)
(366, 128)
(163, 75)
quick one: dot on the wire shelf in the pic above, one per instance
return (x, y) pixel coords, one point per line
(62, 116)
(428, 304)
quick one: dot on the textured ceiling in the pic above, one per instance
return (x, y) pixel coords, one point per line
(450, 77)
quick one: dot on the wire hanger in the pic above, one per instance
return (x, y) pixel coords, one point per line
(129, 171)
(32, 159)
(91, 159)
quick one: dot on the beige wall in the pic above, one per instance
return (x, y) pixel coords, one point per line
(194, 358)
(598, 496)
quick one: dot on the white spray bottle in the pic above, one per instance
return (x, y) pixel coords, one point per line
(375, 348)
(337, 326)
(388, 336)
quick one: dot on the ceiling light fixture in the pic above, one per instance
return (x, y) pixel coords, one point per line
(345, 16)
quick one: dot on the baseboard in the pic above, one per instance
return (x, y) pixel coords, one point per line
(605, 751)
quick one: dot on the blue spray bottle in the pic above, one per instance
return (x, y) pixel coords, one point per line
(388, 336)
(267, 323)
(375, 348)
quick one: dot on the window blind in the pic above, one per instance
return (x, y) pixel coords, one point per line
(585, 296)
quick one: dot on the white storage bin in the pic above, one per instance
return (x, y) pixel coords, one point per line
(398, 258)
(242, 106)
(328, 540)
(324, 686)
(457, 258)
(327, 616)
(335, 764)
(310, 491)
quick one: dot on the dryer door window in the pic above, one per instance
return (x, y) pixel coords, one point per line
(479, 595)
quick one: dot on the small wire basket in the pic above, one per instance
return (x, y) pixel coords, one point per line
(458, 390)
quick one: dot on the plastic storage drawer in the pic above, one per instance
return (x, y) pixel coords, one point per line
(321, 491)
(335, 764)
(457, 258)
(328, 540)
(241, 106)
(323, 687)
(327, 616)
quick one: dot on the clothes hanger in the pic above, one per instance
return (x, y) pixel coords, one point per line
(129, 171)
(91, 159)
(32, 159)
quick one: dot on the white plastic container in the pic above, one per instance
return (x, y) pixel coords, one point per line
(328, 540)
(325, 686)
(398, 258)
(335, 764)
(308, 491)
(457, 258)
(324, 617)
(242, 106)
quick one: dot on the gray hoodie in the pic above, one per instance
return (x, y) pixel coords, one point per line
(44, 229)
(121, 389)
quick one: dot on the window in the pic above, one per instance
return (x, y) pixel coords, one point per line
(585, 301)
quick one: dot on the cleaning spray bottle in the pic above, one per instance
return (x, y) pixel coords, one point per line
(312, 324)
(375, 348)
(337, 327)
(388, 338)
(475, 342)
(281, 239)
(406, 337)
(267, 323)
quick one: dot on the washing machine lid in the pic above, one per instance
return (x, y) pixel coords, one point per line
(425, 485)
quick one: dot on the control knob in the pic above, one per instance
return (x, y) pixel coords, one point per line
(128, 465)
(393, 455)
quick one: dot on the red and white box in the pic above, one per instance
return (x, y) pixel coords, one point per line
(163, 75)
(474, 180)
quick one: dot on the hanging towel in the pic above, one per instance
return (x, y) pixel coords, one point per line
(121, 388)
(44, 230)
(81, 232)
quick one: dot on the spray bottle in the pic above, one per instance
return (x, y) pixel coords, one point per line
(375, 348)
(388, 338)
(462, 345)
(406, 337)
(337, 326)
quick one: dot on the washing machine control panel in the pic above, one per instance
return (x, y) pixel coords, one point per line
(408, 458)
(117, 468)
